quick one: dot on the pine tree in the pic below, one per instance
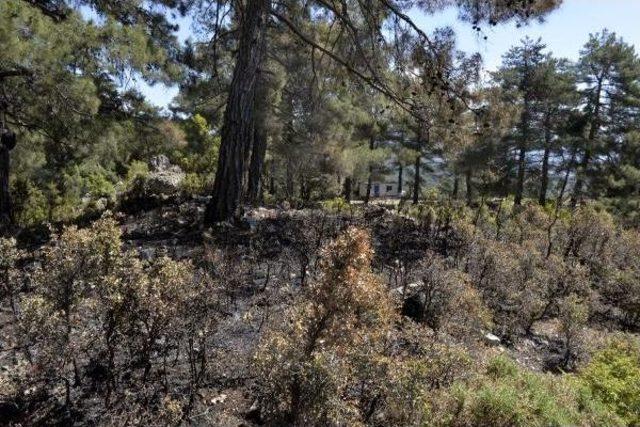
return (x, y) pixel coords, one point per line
(607, 70)
(521, 78)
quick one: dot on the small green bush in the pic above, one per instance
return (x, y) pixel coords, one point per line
(337, 204)
(506, 395)
(613, 377)
(136, 169)
(31, 206)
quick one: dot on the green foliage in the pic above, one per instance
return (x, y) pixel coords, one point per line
(336, 205)
(199, 157)
(613, 377)
(31, 204)
(136, 169)
(509, 396)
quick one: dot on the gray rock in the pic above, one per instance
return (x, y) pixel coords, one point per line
(164, 179)
(159, 163)
(491, 339)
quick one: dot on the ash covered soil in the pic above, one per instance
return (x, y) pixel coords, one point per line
(260, 267)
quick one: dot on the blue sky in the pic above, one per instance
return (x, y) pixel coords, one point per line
(564, 32)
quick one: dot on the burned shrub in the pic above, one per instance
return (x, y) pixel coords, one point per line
(443, 298)
(307, 371)
(99, 322)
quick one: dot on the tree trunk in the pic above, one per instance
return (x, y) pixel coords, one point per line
(237, 134)
(289, 180)
(304, 189)
(6, 212)
(400, 172)
(347, 189)
(259, 147)
(520, 183)
(467, 177)
(522, 155)
(416, 181)
(258, 153)
(581, 172)
(272, 185)
(544, 178)
(456, 186)
(367, 194)
(370, 177)
(423, 140)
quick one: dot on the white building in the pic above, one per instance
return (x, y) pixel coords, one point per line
(383, 188)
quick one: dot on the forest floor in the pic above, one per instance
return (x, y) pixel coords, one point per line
(270, 285)
(262, 263)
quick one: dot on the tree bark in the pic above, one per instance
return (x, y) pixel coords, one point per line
(456, 186)
(520, 183)
(258, 153)
(367, 194)
(347, 189)
(305, 194)
(416, 180)
(400, 172)
(259, 147)
(237, 134)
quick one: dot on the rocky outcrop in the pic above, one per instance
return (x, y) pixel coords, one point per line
(163, 178)
(163, 183)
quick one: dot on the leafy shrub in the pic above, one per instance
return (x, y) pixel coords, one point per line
(508, 396)
(194, 183)
(100, 321)
(337, 204)
(613, 377)
(335, 335)
(444, 298)
(30, 204)
(10, 277)
(573, 316)
(136, 169)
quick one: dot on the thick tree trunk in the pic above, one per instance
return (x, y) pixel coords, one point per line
(367, 193)
(259, 148)
(347, 189)
(416, 180)
(237, 134)
(6, 212)
(258, 153)
(304, 189)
